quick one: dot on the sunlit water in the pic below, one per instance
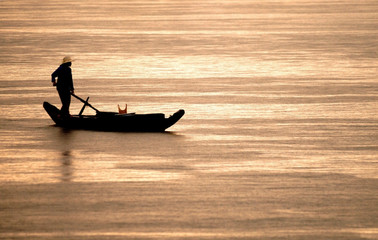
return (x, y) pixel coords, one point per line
(279, 140)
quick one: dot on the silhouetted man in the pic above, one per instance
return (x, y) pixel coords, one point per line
(64, 84)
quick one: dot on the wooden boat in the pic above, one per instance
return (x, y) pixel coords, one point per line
(113, 121)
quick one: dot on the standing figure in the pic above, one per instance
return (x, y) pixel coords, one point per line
(64, 85)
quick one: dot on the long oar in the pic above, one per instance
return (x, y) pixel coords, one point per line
(86, 103)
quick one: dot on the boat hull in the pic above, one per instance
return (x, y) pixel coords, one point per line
(111, 121)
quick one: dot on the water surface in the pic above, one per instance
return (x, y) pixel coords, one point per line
(279, 139)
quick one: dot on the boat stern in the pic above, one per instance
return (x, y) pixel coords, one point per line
(174, 118)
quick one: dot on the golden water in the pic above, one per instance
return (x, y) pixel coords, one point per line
(279, 140)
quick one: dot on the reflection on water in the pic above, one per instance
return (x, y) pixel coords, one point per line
(79, 156)
(64, 141)
(66, 166)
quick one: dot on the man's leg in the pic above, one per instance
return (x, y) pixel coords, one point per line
(65, 98)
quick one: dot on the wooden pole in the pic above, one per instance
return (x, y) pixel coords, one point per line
(85, 103)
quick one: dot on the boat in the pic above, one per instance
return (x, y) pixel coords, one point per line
(113, 121)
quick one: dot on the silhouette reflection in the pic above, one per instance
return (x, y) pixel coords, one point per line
(66, 170)
(66, 166)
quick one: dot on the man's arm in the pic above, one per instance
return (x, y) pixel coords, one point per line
(71, 81)
(54, 75)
